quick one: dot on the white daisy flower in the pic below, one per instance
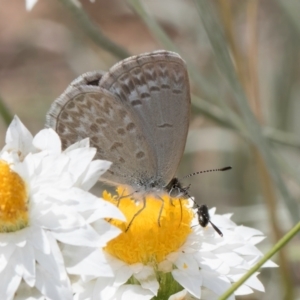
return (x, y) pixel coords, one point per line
(29, 4)
(44, 199)
(166, 254)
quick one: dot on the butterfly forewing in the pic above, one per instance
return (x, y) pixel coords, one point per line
(155, 88)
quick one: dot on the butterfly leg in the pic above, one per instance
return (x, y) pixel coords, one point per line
(120, 198)
(180, 212)
(137, 213)
(161, 209)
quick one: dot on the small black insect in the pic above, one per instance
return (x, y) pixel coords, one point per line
(204, 218)
(176, 189)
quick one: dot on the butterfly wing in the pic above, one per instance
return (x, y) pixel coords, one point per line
(154, 87)
(87, 110)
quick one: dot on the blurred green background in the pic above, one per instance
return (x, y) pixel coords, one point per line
(243, 59)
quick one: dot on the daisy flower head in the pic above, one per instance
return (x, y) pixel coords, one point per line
(44, 199)
(163, 253)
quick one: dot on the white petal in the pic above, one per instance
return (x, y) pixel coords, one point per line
(269, 264)
(243, 290)
(231, 259)
(136, 268)
(85, 235)
(9, 282)
(248, 249)
(130, 292)
(58, 219)
(5, 254)
(18, 137)
(256, 239)
(83, 201)
(105, 210)
(93, 264)
(28, 262)
(165, 266)
(79, 161)
(252, 282)
(17, 238)
(187, 263)
(39, 239)
(53, 262)
(247, 232)
(106, 231)
(104, 289)
(148, 279)
(182, 295)
(191, 283)
(30, 4)
(122, 275)
(51, 286)
(215, 282)
(222, 222)
(95, 170)
(47, 139)
(85, 143)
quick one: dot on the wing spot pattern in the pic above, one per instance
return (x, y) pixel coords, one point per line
(145, 95)
(177, 92)
(70, 105)
(61, 128)
(140, 155)
(116, 145)
(94, 128)
(100, 151)
(64, 115)
(154, 89)
(122, 114)
(101, 122)
(107, 108)
(121, 131)
(121, 160)
(130, 127)
(95, 140)
(138, 79)
(136, 102)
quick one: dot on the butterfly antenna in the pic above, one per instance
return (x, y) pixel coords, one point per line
(207, 171)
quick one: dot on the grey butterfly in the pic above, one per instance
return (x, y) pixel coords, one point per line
(136, 115)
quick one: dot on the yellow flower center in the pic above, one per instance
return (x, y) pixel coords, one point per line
(13, 200)
(159, 229)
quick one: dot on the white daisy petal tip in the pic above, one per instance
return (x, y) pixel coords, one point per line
(48, 140)
(30, 4)
(18, 138)
(182, 295)
(147, 279)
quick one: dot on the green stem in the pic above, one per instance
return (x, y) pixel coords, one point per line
(94, 31)
(282, 242)
(4, 112)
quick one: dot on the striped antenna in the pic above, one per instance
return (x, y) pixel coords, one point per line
(206, 171)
